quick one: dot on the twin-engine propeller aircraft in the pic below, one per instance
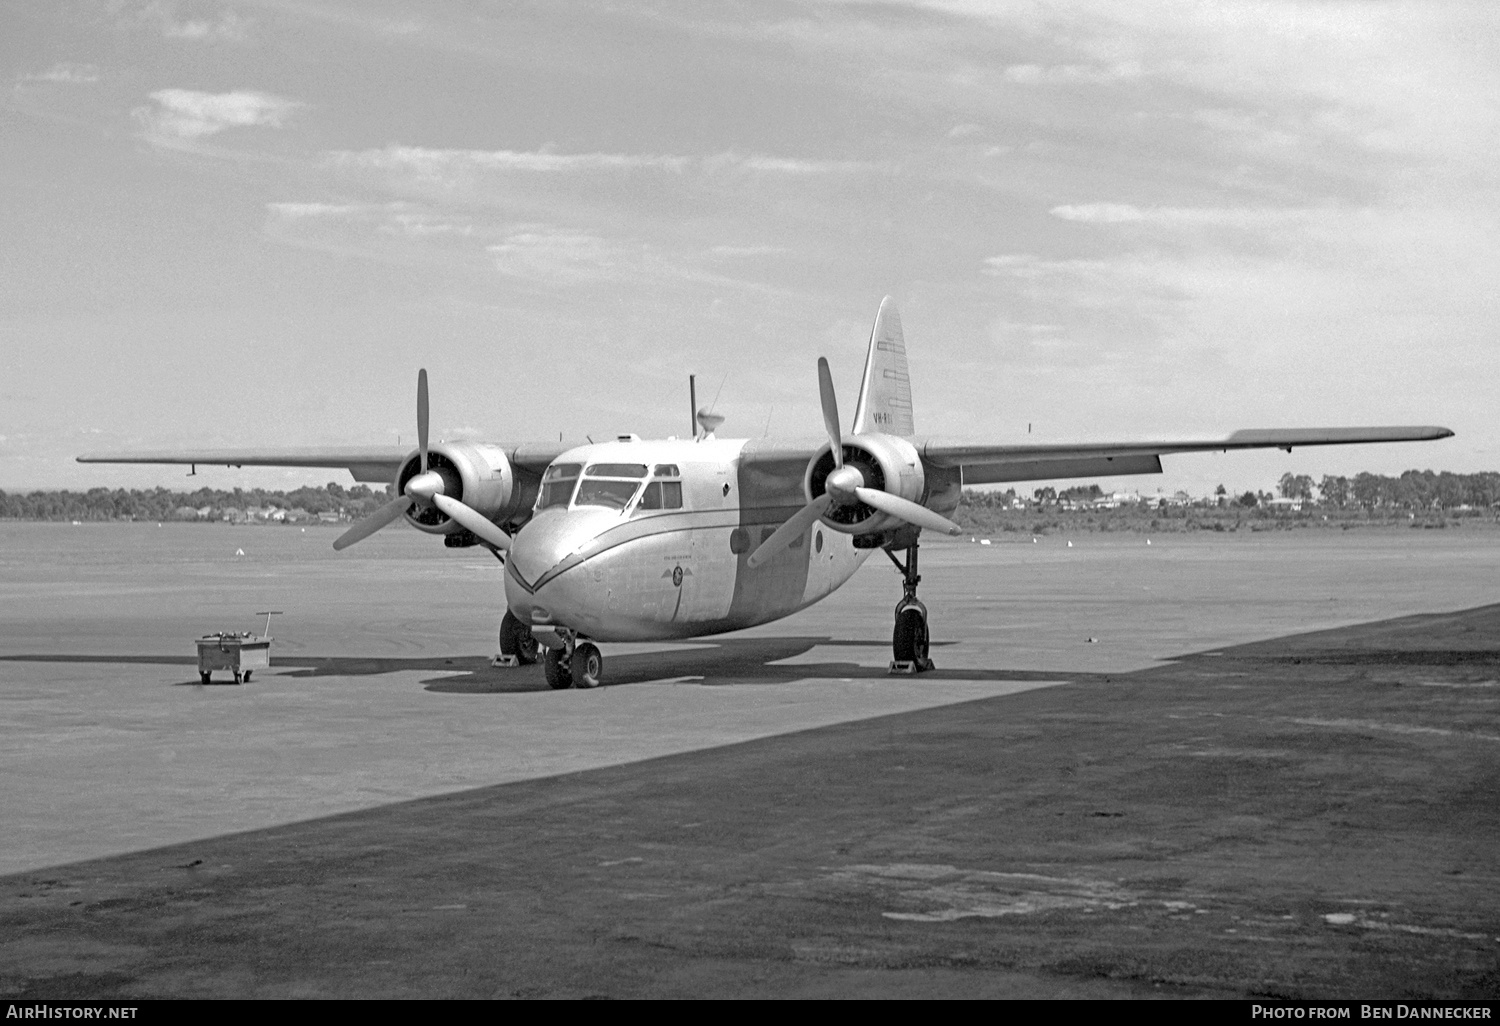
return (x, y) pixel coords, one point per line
(635, 540)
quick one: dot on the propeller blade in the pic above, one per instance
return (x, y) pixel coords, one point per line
(788, 532)
(422, 416)
(912, 513)
(830, 412)
(474, 520)
(374, 522)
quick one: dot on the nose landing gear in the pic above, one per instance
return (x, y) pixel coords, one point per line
(575, 664)
(909, 638)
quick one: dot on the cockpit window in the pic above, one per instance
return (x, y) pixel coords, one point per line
(666, 470)
(661, 495)
(617, 470)
(602, 484)
(557, 485)
(605, 492)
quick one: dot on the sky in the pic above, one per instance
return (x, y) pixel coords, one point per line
(249, 223)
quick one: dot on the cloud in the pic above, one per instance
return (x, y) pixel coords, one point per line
(399, 231)
(184, 114)
(561, 255)
(1245, 218)
(782, 165)
(748, 251)
(450, 165)
(1069, 74)
(453, 168)
(299, 210)
(65, 72)
(226, 26)
(1107, 213)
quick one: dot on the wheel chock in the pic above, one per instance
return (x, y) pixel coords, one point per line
(504, 660)
(909, 667)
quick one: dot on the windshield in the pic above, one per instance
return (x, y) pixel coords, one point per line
(608, 493)
(557, 485)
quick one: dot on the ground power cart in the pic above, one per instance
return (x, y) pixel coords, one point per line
(238, 652)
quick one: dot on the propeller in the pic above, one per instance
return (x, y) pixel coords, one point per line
(844, 486)
(426, 488)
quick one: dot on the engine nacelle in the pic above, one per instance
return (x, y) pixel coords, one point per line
(886, 462)
(476, 474)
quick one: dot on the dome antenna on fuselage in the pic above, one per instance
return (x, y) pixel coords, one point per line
(705, 420)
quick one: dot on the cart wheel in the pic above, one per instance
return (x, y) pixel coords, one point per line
(247, 676)
(203, 677)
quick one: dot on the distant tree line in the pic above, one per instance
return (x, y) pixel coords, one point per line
(1413, 490)
(163, 504)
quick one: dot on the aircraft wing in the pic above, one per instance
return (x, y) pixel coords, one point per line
(375, 464)
(372, 464)
(987, 463)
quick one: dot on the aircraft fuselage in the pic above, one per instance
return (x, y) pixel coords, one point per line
(652, 541)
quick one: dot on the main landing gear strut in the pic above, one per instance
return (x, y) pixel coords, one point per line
(909, 639)
(573, 663)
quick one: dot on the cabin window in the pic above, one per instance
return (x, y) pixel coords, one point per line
(557, 485)
(661, 495)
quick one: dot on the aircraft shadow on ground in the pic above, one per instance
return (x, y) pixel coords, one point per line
(737, 661)
(1460, 640)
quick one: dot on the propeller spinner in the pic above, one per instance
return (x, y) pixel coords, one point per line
(845, 486)
(426, 488)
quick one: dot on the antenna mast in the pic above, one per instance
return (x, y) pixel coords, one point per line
(693, 402)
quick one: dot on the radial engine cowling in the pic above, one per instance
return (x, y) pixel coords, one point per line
(886, 462)
(477, 475)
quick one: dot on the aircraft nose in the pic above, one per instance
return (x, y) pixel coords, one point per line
(546, 548)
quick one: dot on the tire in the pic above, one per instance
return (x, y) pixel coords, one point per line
(204, 677)
(588, 666)
(909, 639)
(247, 676)
(237, 676)
(555, 669)
(517, 640)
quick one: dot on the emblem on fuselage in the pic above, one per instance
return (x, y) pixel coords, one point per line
(677, 573)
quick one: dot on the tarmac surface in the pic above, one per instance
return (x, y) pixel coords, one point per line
(1187, 805)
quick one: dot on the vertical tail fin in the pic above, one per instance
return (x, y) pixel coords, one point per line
(885, 392)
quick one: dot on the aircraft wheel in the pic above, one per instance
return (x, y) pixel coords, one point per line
(247, 676)
(203, 677)
(909, 639)
(555, 668)
(517, 640)
(237, 677)
(588, 665)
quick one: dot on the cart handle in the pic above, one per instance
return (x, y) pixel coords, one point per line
(268, 613)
